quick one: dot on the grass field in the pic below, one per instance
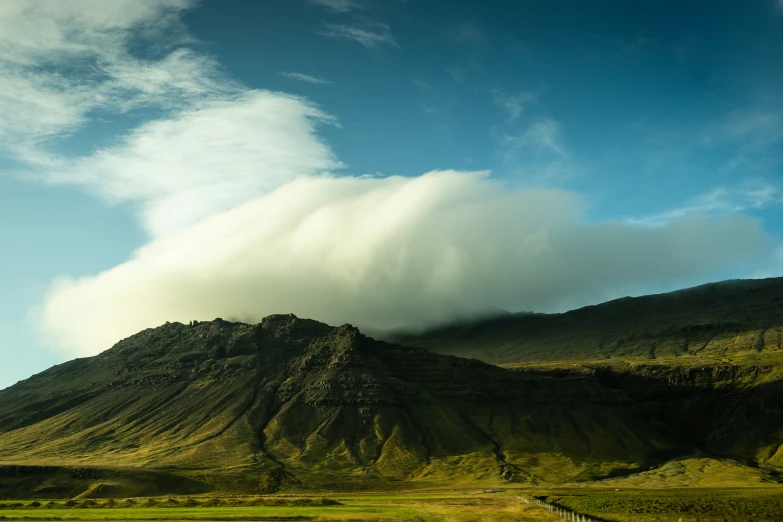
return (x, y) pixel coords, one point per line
(453, 506)
(674, 504)
(608, 504)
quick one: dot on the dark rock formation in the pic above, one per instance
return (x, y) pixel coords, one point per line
(294, 403)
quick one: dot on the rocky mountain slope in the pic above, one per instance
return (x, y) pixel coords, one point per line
(732, 321)
(296, 403)
(292, 403)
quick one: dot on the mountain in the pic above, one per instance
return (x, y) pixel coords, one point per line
(728, 322)
(706, 361)
(600, 393)
(294, 403)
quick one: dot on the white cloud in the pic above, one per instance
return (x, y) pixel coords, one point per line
(215, 146)
(234, 186)
(174, 81)
(757, 128)
(542, 136)
(753, 135)
(721, 200)
(545, 134)
(32, 31)
(35, 106)
(305, 78)
(514, 105)
(368, 33)
(342, 6)
(390, 252)
(204, 160)
(62, 60)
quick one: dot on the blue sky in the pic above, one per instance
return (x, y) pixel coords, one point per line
(176, 160)
(640, 92)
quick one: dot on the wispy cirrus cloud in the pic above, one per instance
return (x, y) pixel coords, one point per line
(204, 160)
(752, 135)
(514, 104)
(541, 136)
(370, 34)
(65, 65)
(757, 127)
(341, 6)
(62, 62)
(538, 155)
(721, 200)
(301, 77)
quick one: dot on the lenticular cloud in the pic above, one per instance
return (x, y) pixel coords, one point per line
(391, 252)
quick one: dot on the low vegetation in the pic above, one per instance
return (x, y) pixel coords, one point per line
(454, 506)
(737, 504)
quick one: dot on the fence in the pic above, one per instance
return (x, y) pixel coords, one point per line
(564, 514)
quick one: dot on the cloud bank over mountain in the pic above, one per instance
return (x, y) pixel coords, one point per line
(250, 212)
(392, 252)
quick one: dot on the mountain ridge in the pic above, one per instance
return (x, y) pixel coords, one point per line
(728, 321)
(292, 402)
(295, 404)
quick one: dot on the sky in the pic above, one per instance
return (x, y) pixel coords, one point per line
(391, 164)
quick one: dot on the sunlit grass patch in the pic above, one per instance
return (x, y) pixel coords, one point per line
(446, 507)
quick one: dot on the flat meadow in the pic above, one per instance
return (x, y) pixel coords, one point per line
(454, 506)
(741, 504)
(488, 505)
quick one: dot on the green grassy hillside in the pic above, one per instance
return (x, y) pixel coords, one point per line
(705, 362)
(733, 321)
(294, 403)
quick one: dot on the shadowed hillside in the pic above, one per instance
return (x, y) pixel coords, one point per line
(705, 361)
(732, 321)
(292, 403)
(296, 403)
